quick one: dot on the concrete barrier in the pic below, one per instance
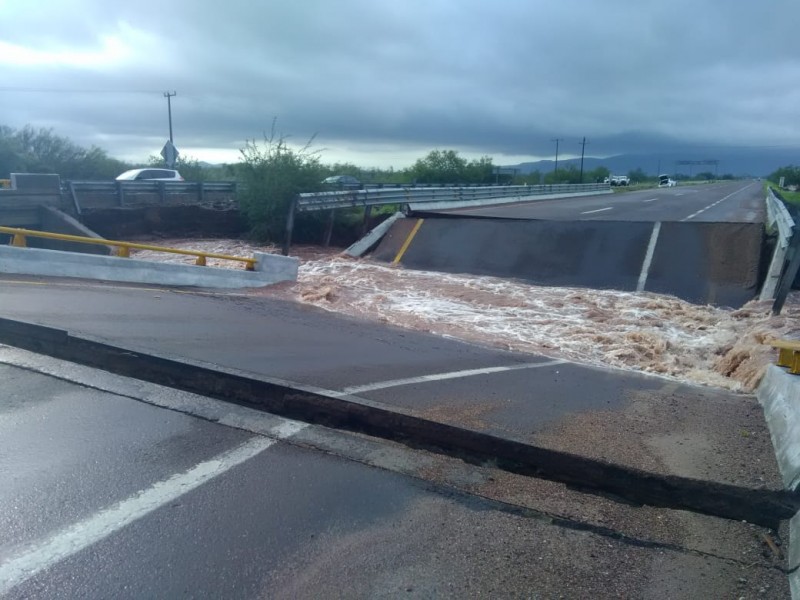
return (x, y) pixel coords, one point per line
(779, 394)
(56, 221)
(270, 268)
(422, 207)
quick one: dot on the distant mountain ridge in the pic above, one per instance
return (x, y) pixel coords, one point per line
(740, 163)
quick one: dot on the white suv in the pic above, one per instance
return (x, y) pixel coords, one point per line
(150, 175)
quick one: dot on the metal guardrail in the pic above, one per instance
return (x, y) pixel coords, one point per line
(786, 258)
(779, 217)
(458, 196)
(414, 195)
(116, 192)
(123, 248)
(153, 187)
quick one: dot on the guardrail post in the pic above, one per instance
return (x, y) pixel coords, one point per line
(201, 192)
(19, 241)
(120, 194)
(365, 222)
(162, 192)
(287, 240)
(329, 229)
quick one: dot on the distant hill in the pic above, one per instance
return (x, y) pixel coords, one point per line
(738, 162)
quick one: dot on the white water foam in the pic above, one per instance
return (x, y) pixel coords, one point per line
(637, 331)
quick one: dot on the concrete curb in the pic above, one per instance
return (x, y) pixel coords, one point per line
(270, 268)
(373, 237)
(422, 207)
(359, 415)
(779, 394)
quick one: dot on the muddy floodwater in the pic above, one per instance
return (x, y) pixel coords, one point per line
(637, 331)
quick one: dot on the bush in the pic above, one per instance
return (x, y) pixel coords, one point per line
(272, 175)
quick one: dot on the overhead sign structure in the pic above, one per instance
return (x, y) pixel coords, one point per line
(170, 154)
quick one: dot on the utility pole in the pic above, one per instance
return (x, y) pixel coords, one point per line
(583, 148)
(169, 96)
(556, 140)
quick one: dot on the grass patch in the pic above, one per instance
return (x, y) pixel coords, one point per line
(790, 197)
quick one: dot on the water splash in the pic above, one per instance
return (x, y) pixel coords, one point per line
(636, 331)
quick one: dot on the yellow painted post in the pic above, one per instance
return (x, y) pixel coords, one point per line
(19, 241)
(123, 252)
(201, 261)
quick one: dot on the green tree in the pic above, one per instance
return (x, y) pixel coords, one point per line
(568, 174)
(273, 174)
(42, 151)
(790, 173)
(597, 175)
(638, 176)
(446, 166)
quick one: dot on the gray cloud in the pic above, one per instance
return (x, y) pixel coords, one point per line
(379, 81)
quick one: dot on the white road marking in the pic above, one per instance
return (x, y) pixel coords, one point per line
(588, 212)
(702, 210)
(648, 258)
(442, 376)
(650, 200)
(74, 538)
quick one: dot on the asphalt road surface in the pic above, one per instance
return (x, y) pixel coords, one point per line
(117, 488)
(734, 202)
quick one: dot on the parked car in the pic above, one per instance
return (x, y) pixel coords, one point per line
(150, 175)
(666, 181)
(619, 180)
(342, 182)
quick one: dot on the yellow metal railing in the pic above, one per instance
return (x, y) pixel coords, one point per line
(788, 354)
(122, 248)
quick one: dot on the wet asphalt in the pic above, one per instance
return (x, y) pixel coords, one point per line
(295, 521)
(291, 521)
(733, 202)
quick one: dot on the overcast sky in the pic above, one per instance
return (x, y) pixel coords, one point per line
(383, 82)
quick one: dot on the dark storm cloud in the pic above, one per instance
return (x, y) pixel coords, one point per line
(497, 78)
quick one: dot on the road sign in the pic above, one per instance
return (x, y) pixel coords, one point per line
(170, 154)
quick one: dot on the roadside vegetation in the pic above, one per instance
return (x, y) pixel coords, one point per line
(790, 192)
(272, 172)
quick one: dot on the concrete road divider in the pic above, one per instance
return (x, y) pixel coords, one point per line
(269, 269)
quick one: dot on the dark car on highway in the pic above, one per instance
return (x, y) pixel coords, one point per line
(342, 182)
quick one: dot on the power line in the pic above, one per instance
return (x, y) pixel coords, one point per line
(71, 91)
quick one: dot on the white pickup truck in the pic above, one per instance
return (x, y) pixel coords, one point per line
(618, 180)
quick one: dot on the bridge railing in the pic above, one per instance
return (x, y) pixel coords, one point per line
(119, 193)
(420, 195)
(437, 198)
(19, 239)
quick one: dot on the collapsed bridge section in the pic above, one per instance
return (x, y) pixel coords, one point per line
(703, 263)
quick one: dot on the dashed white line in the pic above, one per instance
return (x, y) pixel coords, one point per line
(83, 534)
(442, 376)
(702, 210)
(588, 212)
(650, 200)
